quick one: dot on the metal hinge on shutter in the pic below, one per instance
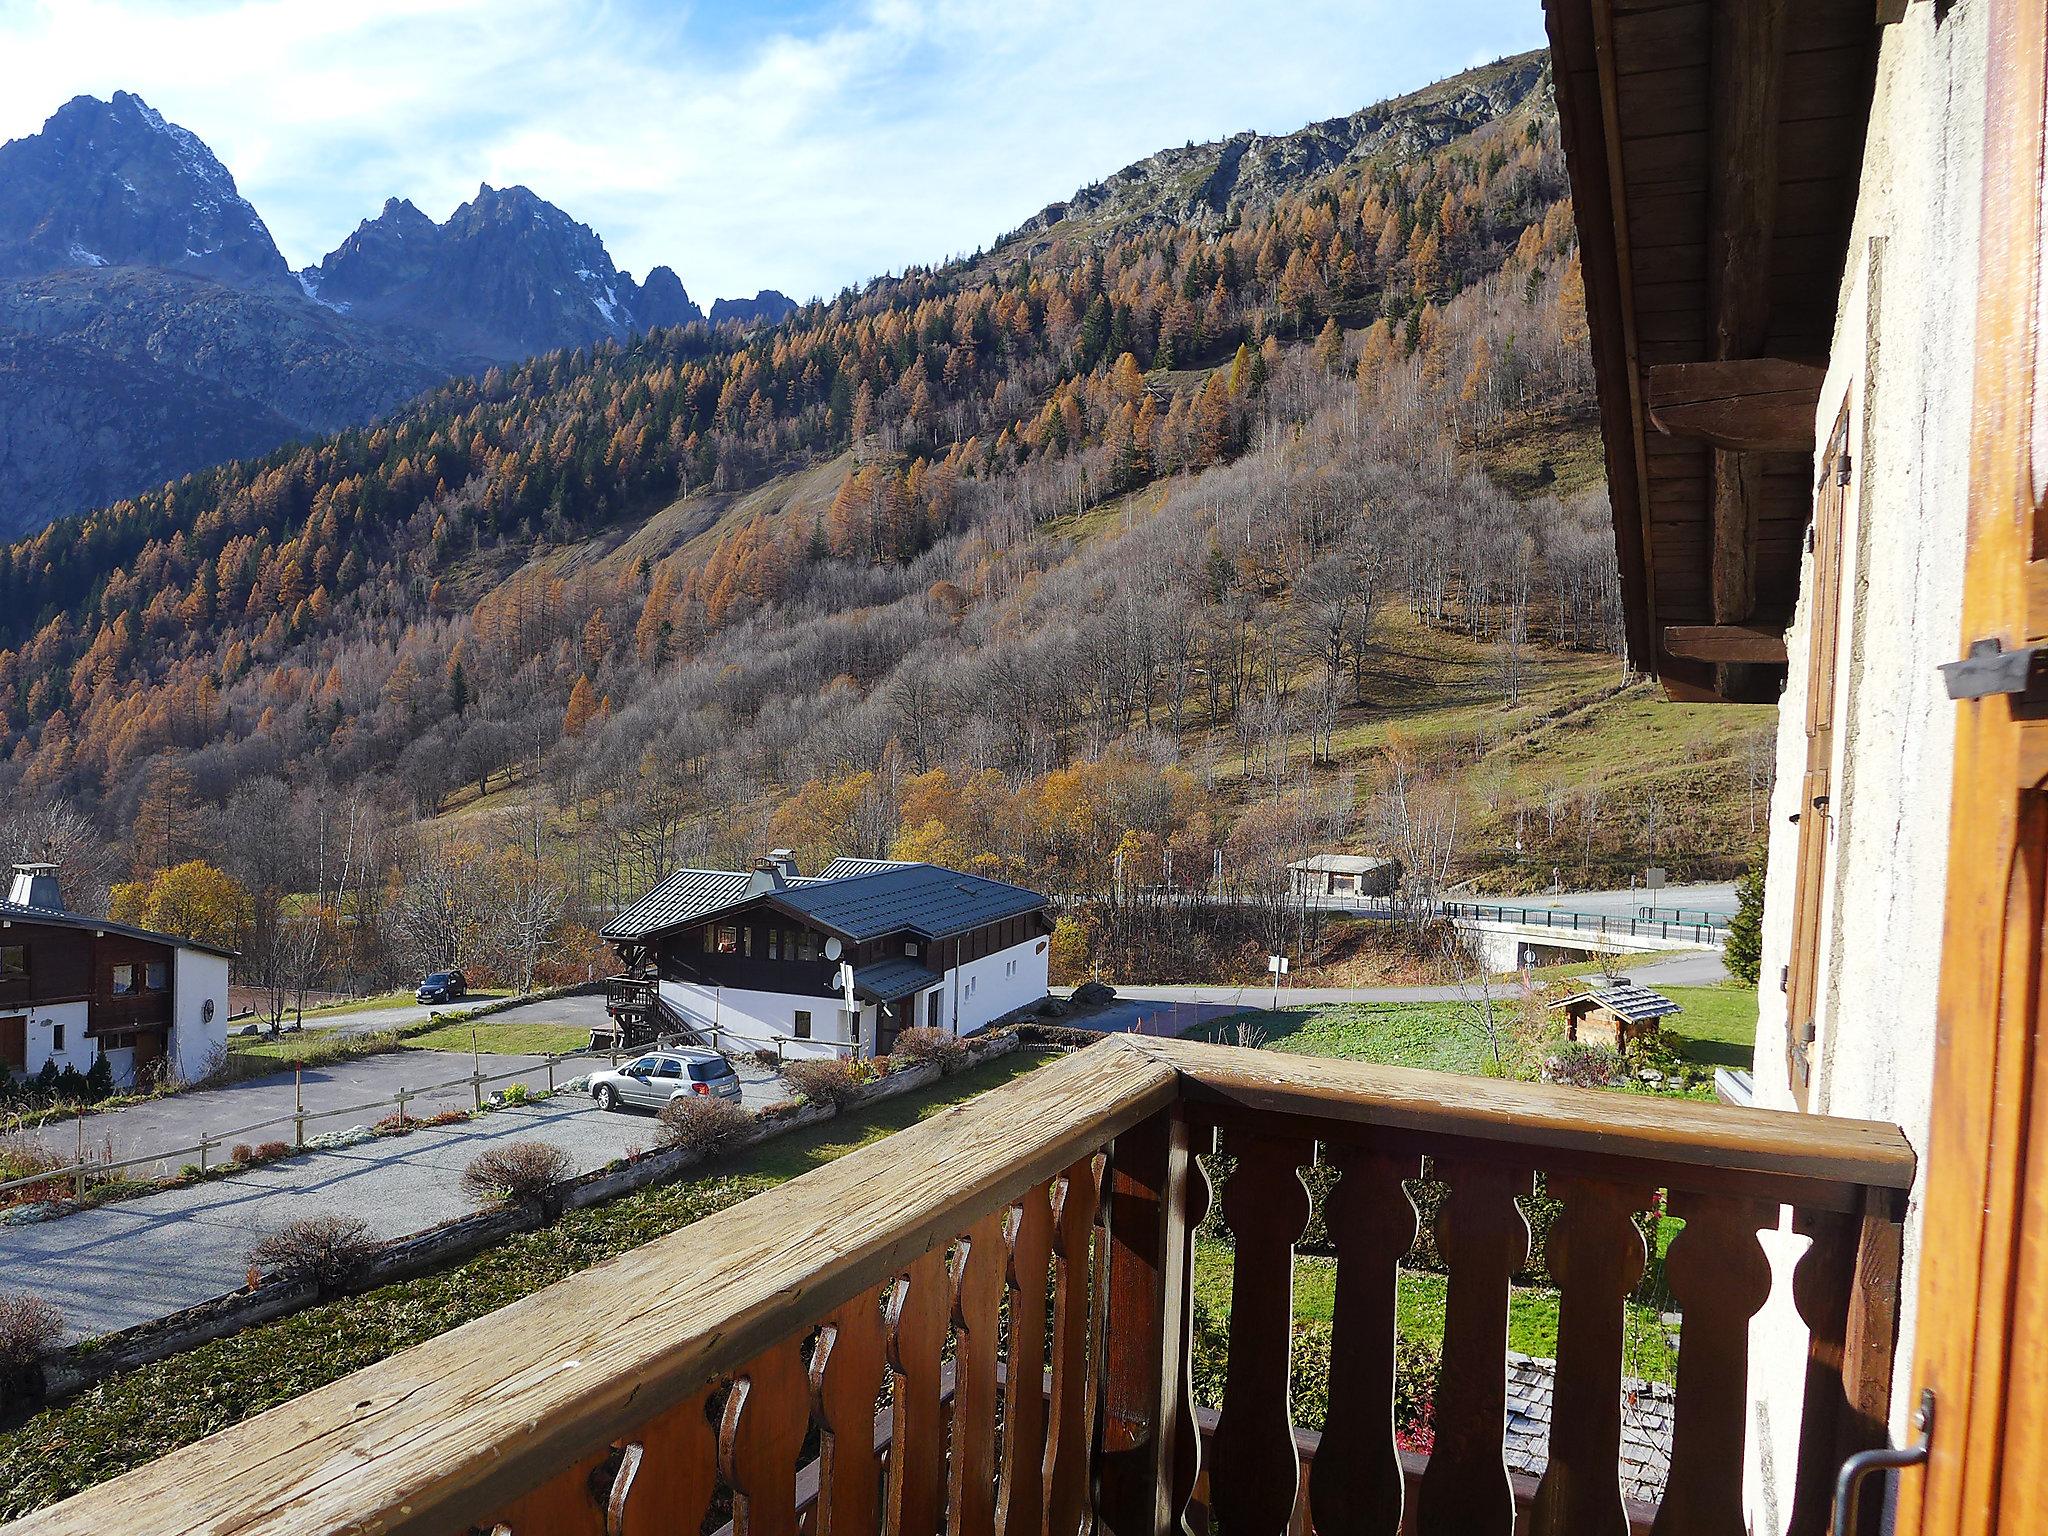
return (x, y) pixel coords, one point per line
(1989, 668)
(1842, 468)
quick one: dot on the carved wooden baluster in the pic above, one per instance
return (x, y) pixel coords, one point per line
(1355, 1481)
(667, 1474)
(1187, 1447)
(760, 1438)
(919, 1304)
(1717, 1270)
(1484, 1239)
(571, 1503)
(846, 1380)
(1067, 1450)
(1027, 1238)
(1145, 1338)
(977, 1311)
(1821, 1283)
(1596, 1256)
(1255, 1472)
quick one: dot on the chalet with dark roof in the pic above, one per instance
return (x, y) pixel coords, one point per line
(837, 963)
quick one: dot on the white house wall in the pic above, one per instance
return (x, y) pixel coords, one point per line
(982, 991)
(197, 979)
(43, 1020)
(756, 1021)
(1902, 363)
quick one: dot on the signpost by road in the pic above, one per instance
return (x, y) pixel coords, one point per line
(1278, 965)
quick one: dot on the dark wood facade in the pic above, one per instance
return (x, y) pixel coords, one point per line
(124, 980)
(763, 948)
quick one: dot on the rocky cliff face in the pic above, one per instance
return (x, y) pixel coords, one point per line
(765, 308)
(149, 326)
(111, 184)
(1208, 185)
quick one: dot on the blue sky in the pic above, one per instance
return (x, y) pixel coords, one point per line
(780, 144)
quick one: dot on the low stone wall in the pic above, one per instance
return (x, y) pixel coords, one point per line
(401, 1258)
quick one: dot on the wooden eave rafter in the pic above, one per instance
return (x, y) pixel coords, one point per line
(1756, 405)
(1714, 148)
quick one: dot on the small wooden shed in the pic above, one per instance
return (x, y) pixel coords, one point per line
(1614, 1013)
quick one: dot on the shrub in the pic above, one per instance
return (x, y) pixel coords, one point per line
(830, 1080)
(23, 1157)
(271, 1149)
(446, 1117)
(918, 1046)
(767, 1060)
(394, 1125)
(1582, 1066)
(30, 1328)
(519, 1170)
(241, 1152)
(515, 1093)
(1744, 950)
(323, 1249)
(692, 1123)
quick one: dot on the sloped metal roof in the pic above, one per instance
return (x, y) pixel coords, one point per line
(683, 897)
(898, 976)
(917, 898)
(13, 912)
(840, 869)
(1629, 1002)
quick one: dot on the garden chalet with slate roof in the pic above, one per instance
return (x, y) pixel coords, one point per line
(1614, 1012)
(832, 964)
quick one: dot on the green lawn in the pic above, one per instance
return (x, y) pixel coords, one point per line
(135, 1417)
(1718, 1026)
(1419, 1309)
(536, 1037)
(1439, 1036)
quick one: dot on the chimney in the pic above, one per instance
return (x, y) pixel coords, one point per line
(35, 885)
(785, 861)
(767, 877)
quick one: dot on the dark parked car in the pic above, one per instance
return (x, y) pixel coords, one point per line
(443, 987)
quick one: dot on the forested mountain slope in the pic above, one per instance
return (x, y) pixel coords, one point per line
(1153, 544)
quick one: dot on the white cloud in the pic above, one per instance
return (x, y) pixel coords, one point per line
(779, 148)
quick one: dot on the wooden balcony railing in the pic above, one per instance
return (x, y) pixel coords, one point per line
(738, 1364)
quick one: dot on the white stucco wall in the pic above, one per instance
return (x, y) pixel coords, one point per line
(1901, 362)
(752, 1021)
(78, 1051)
(999, 983)
(197, 978)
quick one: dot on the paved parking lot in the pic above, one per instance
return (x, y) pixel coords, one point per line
(141, 1259)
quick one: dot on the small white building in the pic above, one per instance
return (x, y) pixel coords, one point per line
(1345, 874)
(838, 963)
(74, 988)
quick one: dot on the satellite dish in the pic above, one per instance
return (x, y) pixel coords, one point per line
(831, 949)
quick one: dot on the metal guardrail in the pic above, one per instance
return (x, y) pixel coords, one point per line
(1584, 922)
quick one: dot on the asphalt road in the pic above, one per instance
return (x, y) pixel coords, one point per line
(583, 1009)
(136, 1260)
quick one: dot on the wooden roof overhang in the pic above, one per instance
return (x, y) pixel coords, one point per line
(1714, 148)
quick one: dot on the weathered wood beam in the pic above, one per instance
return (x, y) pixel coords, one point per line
(1755, 404)
(1748, 46)
(1726, 642)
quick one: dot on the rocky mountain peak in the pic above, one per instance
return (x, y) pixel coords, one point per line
(115, 184)
(768, 307)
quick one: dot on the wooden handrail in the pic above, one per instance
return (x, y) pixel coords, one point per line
(1713, 1140)
(439, 1436)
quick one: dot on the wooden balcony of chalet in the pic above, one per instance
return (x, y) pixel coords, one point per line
(735, 1368)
